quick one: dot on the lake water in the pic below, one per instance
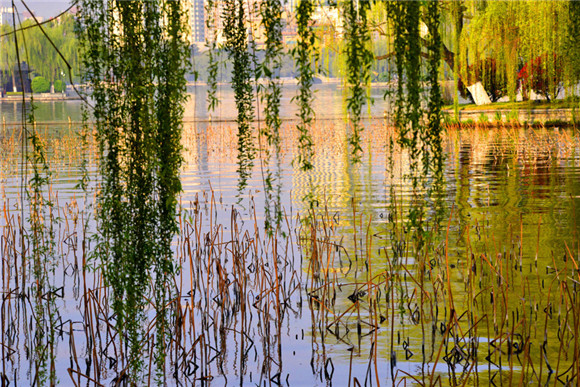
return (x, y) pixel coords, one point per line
(502, 257)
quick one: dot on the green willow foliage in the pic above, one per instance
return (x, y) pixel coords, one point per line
(170, 103)
(135, 55)
(418, 133)
(413, 79)
(516, 34)
(359, 59)
(303, 53)
(396, 11)
(237, 48)
(573, 41)
(271, 14)
(433, 156)
(213, 65)
(414, 135)
(42, 56)
(432, 137)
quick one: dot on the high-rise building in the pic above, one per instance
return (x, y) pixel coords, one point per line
(197, 21)
(252, 15)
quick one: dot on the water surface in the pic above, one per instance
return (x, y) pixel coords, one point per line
(510, 200)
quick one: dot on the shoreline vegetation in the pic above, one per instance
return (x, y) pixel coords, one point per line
(568, 103)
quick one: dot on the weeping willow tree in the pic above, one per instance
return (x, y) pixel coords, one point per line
(517, 46)
(135, 55)
(51, 49)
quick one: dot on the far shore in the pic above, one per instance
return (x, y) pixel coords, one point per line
(40, 97)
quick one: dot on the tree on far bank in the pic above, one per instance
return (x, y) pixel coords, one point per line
(39, 51)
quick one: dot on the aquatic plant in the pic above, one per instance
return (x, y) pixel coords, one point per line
(41, 237)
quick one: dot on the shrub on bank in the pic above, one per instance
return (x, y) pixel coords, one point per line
(59, 86)
(40, 85)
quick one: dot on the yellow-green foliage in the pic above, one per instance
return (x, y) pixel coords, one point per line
(514, 33)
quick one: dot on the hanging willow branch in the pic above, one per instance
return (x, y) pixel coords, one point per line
(170, 102)
(433, 134)
(420, 135)
(413, 78)
(135, 58)
(359, 59)
(271, 15)
(237, 48)
(397, 11)
(213, 65)
(432, 149)
(303, 52)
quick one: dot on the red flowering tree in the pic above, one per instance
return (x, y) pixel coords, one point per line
(543, 75)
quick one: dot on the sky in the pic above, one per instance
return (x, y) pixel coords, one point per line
(44, 8)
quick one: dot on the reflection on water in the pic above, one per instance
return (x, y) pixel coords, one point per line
(511, 197)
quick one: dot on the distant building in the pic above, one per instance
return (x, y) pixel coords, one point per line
(7, 16)
(197, 20)
(253, 20)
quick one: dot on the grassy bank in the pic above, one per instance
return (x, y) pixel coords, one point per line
(569, 103)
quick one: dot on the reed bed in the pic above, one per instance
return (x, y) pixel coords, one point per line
(348, 297)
